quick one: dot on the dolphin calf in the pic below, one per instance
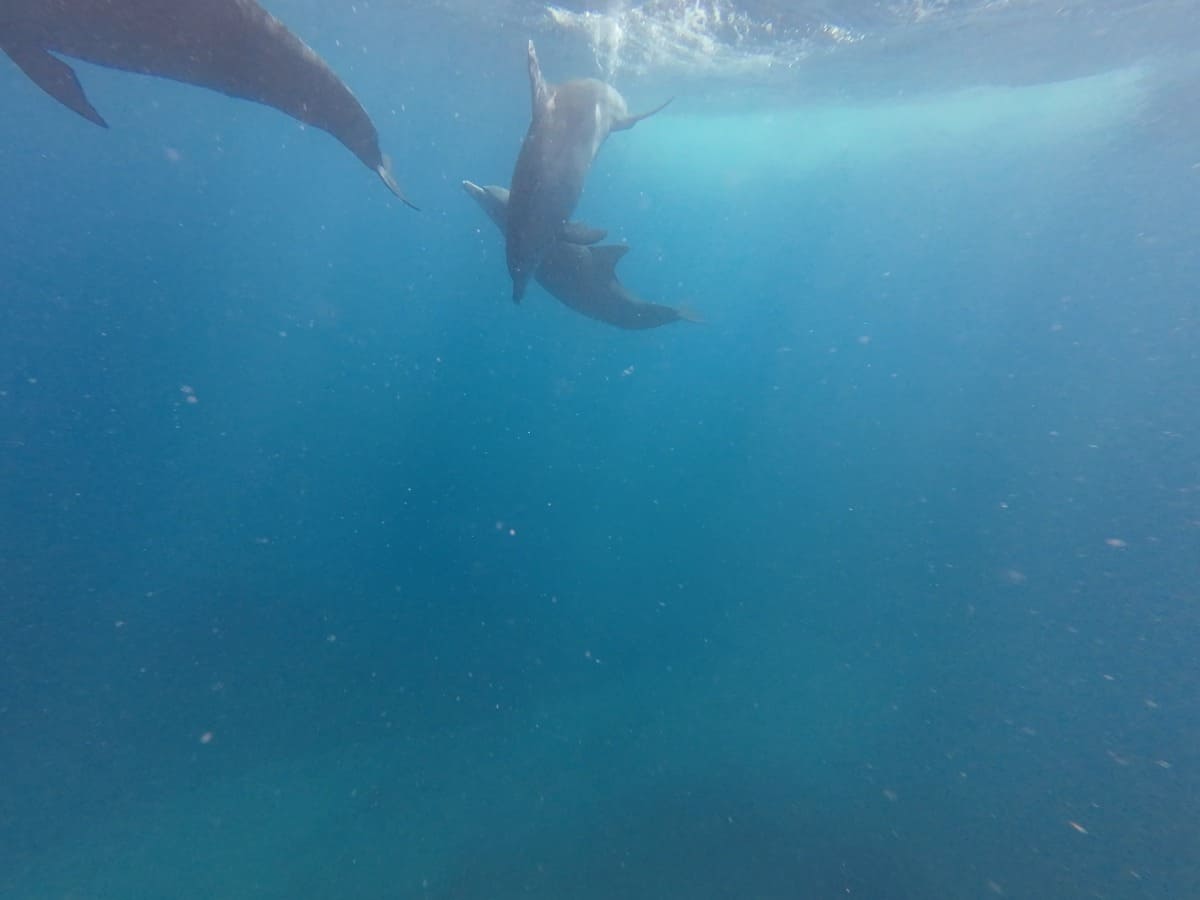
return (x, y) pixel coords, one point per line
(232, 46)
(570, 122)
(582, 276)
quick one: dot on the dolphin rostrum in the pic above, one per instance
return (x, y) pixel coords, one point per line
(232, 46)
(582, 276)
(570, 122)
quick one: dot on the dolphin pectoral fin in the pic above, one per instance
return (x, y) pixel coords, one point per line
(539, 93)
(582, 233)
(54, 77)
(629, 121)
(384, 169)
(520, 280)
(608, 255)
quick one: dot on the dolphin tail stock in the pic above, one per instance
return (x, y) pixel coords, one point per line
(54, 77)
(539, 93)
(384, 170)
(629, 121)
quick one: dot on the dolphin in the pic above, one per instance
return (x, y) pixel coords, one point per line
(232, 46)
(583, 277)
(570, 122)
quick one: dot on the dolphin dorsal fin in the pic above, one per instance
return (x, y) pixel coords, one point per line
(54, 77)
(608, 255)
(539, 91)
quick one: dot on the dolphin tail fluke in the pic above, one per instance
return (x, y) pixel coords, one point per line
(384, 169)
(687, 314)
(539, 93)
(629, 121)
(54, 77)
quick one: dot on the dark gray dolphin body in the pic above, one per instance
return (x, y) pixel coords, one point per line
(570, 122)
(583, 277)
(232, 46)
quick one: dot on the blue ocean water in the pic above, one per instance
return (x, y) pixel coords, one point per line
(327, 571)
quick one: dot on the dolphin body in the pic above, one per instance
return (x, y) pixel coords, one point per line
(570, 122)
(232, 46)
(583, 277)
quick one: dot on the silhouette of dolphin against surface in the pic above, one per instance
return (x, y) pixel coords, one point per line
(570, 122)
(232, 46)
(584, 277)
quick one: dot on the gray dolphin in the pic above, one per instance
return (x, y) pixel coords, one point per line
(584, 277)
(232, 46)
(570, 122)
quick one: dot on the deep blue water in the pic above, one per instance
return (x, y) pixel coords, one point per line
(880, 583)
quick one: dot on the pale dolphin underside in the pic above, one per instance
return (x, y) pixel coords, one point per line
(582, 276)
(569, 122)
(232, 46)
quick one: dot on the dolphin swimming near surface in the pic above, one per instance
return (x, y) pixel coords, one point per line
(581, 275)
(232, 46)
(570, 122)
